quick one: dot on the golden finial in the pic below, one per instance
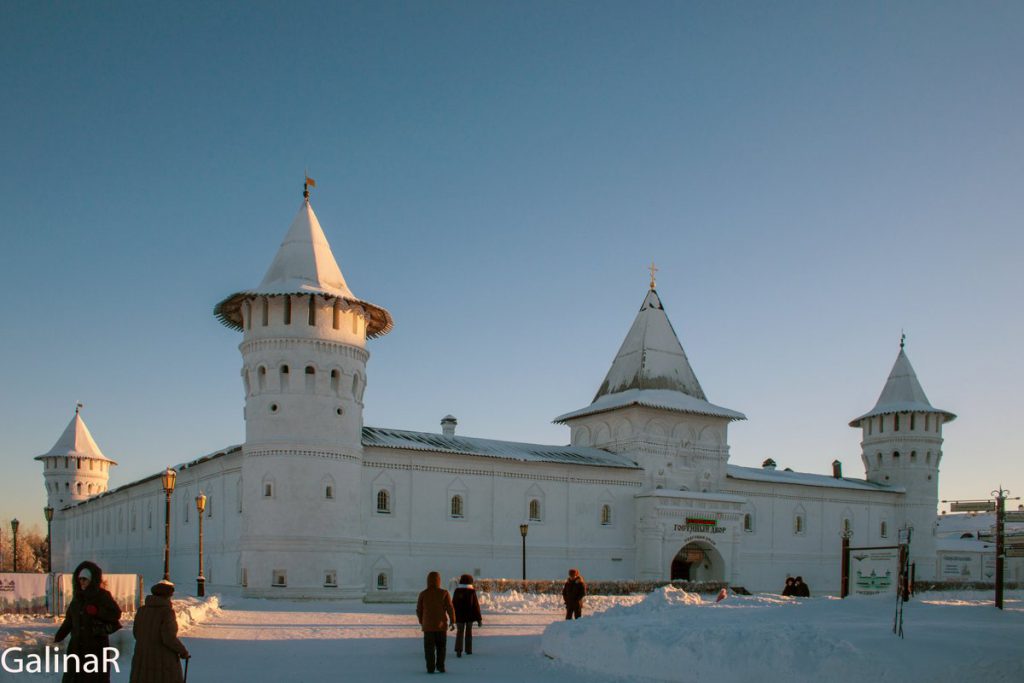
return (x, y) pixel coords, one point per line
(653, 269)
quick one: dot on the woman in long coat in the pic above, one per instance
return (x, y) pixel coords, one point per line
(157, 648)
(467, 610)
(90, 619)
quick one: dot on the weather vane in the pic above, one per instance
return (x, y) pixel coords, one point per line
(903, 339)
(78, 407)
(653, 269)
(308, 184)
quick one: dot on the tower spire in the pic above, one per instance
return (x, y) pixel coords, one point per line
(653, 269)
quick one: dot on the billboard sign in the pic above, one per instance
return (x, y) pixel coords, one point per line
(973, 506)
(873, 571)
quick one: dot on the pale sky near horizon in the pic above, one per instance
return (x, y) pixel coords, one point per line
(810, 178)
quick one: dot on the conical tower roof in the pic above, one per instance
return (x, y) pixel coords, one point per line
(902, 393)
(651, 368)
(304, 264)
(76, 442)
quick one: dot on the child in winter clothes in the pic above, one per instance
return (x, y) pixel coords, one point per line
(467, 610)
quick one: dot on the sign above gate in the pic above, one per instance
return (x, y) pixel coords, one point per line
(702, 525)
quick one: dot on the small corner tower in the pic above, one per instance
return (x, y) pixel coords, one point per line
(901, 445)
(75, 468)
(304, 372)
(651, 407)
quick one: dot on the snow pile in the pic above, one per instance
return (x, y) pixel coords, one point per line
(669, 637)
(515, 602)
(191, 611)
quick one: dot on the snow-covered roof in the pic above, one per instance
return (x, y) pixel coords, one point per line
(76, 442)
(806, 479)
(902, 393)
(304, 264)
(490, 448)
(651, 369)
(653, 398)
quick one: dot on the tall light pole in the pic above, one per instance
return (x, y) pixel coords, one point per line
(48, 513)
(523, 529)
(201, 580)
(167, 479)
(14, 544)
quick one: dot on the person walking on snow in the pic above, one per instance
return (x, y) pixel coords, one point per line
(90, 619)
(436, 615)
(467, 610)
(157, 647)
(573, 593)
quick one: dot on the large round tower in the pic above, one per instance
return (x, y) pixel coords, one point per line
(75, 468)
(901, 445)
(304, 372)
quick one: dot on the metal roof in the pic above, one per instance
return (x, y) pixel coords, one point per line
(491, 448)
(806, 479)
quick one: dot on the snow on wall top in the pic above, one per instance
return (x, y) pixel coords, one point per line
(806, 479)
(651, 369)
(304, 264)
(902, 393)
(76, 442)
(490, 448)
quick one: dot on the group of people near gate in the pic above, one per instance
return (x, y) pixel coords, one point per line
(439, 612)
(795, 587)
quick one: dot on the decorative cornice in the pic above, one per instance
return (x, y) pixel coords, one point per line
(299, 453)
(498, 473)
(319, 345)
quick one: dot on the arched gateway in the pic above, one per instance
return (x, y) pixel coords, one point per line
(698, 561)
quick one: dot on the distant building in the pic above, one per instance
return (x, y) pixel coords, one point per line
(314, 503)
(966, 548)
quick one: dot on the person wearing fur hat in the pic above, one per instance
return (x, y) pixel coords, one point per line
(157, 648)
(90, 619)
(467, 610)
(573, 592)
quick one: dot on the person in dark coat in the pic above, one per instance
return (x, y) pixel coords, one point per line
(467, 610)
(436, 615)
(90, 619)
(788, 590)
(801, 589)
(157, 648)
(573, 593)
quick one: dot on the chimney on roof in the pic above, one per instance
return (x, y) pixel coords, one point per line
(768, 464)
(837, 469)
(448, 423)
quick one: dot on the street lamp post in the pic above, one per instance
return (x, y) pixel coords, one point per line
(201, 580)
(48, 513)
(523, 529)
(167, 479)
(14, 544)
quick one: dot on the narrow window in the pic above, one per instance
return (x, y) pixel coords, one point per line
(912, 421)
(456, 506)
(871, 427)
(329, 492)
(927, 422)
(355, 323)
(534, 510)
(798, 524)
(879, 459)
(247, 315)
(895, 457)
(606, 515)
(938, 423)
(284, 377)
(287, 310)
(149, 516)
(244, 577)
(883, 530)
(335, 381)
(209, 507)
(78, 488)
(266, 311)
(748, 522)
(928, 458)
(280, 578)
(383, 502)
(310, 378)
(896, 422)
(312, 309)
(913, 456)
(881, 424)
(337, 314)
(330, 580)
(382, 581)
(268, 490)
(261, 377)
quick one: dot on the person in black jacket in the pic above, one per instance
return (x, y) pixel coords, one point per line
(788, 590)
(90, 619)
(573, 593)
(467, 610)
(801, 589)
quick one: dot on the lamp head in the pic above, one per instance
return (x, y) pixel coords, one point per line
(48, 513)
(523, 528)
(167, 479)
(14, 525)
(201, 502)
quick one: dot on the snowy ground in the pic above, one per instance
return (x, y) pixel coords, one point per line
(668, 636)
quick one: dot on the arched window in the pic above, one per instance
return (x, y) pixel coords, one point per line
(268, 487)
(534, 510)
(382, 581)
(883, 529)
(78, 488)
(310, 378)
(748, 522)
(457, 506)
(261, 377)
(383, 502)
(329, 492)
(285, 373)
(606, 514)
(895, 457)
(913, 456)
(335, 381)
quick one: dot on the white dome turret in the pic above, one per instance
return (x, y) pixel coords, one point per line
(75, 468)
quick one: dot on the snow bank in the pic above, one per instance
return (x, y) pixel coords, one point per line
(674, 636)
(515, 602)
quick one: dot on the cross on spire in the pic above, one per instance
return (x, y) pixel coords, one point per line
(307, 184)
(653, 269)
(903, 339)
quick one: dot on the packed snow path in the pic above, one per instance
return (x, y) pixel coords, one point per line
(246, 641)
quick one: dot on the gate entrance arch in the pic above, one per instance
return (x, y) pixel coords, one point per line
(698, 561)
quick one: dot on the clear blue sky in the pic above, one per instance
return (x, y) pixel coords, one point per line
(810, 178)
